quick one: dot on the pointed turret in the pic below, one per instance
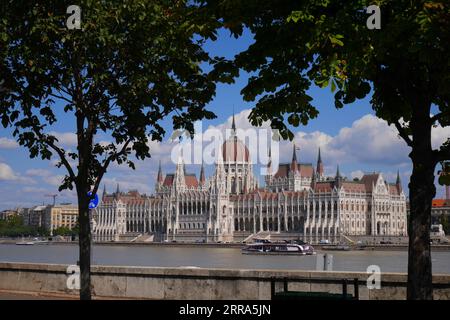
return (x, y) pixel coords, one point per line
(160, 175)
(319, 170)
(179, 173)
(398, 182)
(219, 177)
(294, 166)
(202, 176)
(104, 192)
(233, 125)
(117, 194)
(338, 179)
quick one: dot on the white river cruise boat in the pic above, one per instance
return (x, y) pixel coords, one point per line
(278, 249)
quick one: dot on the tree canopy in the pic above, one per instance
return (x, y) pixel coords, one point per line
(131, 65)
(128, 67)
(404, 67)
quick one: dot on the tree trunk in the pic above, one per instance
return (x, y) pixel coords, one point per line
(84, 244)
(421, 193)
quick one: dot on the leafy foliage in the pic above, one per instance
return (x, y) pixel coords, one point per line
(405, 66)
(133, 64)
(64, 231)
(13, 227)
(326, 43)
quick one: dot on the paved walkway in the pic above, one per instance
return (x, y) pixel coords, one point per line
(24, 295)
(14, 295)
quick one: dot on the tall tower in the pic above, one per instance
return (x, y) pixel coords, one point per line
(202, 176)
(338, 179)
(237, 164)
(319, 168)
(179, 180)
(294, 166)
(398, 182)
(159, 179)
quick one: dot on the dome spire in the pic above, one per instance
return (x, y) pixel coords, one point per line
(294, 165)
(233, 124)
(294, 154)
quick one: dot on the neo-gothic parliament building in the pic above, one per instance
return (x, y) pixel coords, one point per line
(298, 201)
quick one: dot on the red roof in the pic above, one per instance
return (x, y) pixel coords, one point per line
(306, 170)
(354, 186)
(441, 203)
(190, 180)
(324, 186)
(393, 189)
(369, 180)
(168, 180)
(130, 198)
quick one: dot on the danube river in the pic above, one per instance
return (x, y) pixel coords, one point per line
(213, 257)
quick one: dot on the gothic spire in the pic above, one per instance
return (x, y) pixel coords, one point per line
(202, 175)
(294, 154)
(294, 166)
(338, 181)
(319, 168)
(233, 125)
(160, 176)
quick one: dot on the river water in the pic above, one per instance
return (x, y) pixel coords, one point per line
(213, 257)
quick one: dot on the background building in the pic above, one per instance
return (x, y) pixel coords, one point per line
(52, 217)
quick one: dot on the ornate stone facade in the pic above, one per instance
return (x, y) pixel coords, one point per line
(297, 201)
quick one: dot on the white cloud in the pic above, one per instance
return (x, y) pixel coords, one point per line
(34, 190)
(6, 143)
(127, 183)
(38, 173)
(55, 181)
(7, 173)
(356, 174)
(68, 139)
(439, 135)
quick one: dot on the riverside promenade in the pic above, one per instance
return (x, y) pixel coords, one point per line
(201, 283)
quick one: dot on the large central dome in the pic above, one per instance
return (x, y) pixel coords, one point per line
(234, 150)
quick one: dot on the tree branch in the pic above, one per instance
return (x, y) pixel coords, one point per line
(61, 97)
(440, 116)
(443, 154)
(107, 162)
(59, 151)
(403, 134)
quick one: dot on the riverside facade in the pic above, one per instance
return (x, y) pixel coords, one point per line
(298, 201)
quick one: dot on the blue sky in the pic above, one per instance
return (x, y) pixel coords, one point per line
(351, 137)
